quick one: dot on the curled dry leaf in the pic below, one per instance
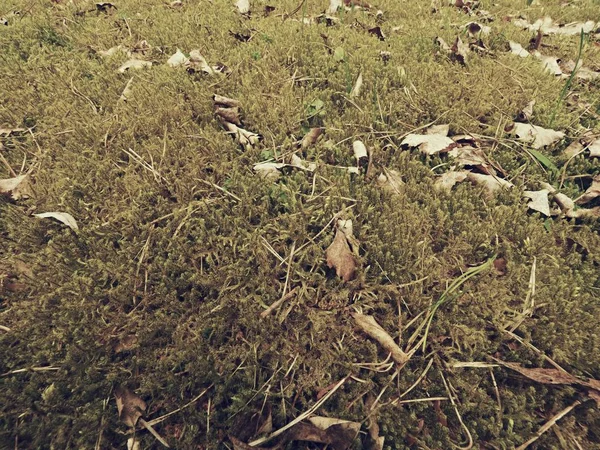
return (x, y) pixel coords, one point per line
(594, 148)
(490, 183)
(130, 406)
(567, 207)
(243, 6)
(517, 49)
(299, 163)
(360, 152)
(475, 28)
(539, 201)
(526, 113)
(538, 137)
(197, 63)
(547, 26)
(62, 217)
(134, 64)
(390, 181)
(459, 51)
(357, 86)
(178, 59)
(471, 156)
(447, 180)
(591, 193)
(435, 141)
(231, 114)
(370, 326)
(311, 137)
(339, 254)
(16, 188)
(127, 91)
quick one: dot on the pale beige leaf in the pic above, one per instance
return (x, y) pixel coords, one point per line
(333, 6)
(460, 50)
(130, 406)
(324, 423)
(550, 63)
(526, 113)
(539, 201)
(428, 144)
(178, 59)
(134, 64)
(538, 137)
(269, 170)
(62, 217)
(111, 51)
(442, 129)
(517, 49)
(357, 86)
(127, 91)
(198, 63)
(594, 148)
(370, 326)
(243, 6)
(391, 181)
(296, 161)
(574, 149)
(360, 150)
(490, 183)
(447, 180)
(17, 188)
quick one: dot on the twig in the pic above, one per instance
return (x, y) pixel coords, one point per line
(152, 431)
(306, 414)
(34, 369)
(194, 400)
(549, 425)
(278, 303)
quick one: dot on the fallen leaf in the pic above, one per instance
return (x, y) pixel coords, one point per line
(551, 376)
(296, 161)
(62, 217)
(490, 183)
(539, 201)
(470, 156)
(127, 91)
(370, 326)
(197, 63)
(594, 148)
(334, 5)
(6, 132)
(447, 180)
(435, 141)
(16, 188)
(244, 137)
(229, 114)
(311, 137)
(130, 406)
(222, 101)
(178, 59)
(111, 51)
(357, 86)
(459, 51)
(500, 266)
(133, 443)
(517, 49)
(391, 181)
(591, 193)
(360, 152)
(129, 342)
(547, 26)
(550, 63)
(526, 113)
(269, 170)
(339, 254)
(324, 423)
(475, 28)
(105, 6)
(243, 6)
(538, 137)
(134, 64)
(581, 72)
(376, 31)
(574, 149)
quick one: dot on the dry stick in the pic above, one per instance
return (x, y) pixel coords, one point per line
(549, 425)
(535, 349)
(152, 431)
(194, 400)
(276, 304)
(302, 416)
(469, 437)
(5, 162)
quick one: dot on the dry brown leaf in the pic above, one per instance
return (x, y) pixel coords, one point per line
(197, 63)
(130, 406)
(471, 156)
(539, 201)
(16, 188)
(62, 217)
(591, 193)
(538, 137)
(231, 114)
(129, 342)
(311, 137)
(459, 51)
(370, 326)
(339, 254)
(551, 376)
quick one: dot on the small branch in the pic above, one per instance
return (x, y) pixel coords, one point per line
(549, 425)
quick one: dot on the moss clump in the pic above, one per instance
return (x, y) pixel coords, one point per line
(186, 250)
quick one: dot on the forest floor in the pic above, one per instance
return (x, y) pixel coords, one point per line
(300, 224)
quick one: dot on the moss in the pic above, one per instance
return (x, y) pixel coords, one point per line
(185, 267)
